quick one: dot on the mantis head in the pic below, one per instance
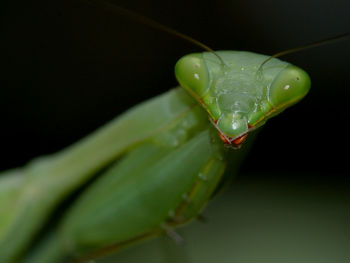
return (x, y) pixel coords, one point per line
(238, 95)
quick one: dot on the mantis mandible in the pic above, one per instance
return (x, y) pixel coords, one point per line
(161, 173)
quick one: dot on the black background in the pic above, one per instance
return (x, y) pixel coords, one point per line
(68, 68)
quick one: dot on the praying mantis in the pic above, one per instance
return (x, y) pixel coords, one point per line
(167, 140)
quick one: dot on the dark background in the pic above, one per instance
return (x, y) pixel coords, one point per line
(68, 68)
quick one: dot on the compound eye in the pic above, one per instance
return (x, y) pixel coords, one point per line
(192, 74)
(290, 86)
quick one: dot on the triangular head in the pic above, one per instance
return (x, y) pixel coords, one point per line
(239, 95)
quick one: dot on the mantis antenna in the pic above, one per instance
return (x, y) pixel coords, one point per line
(307, 46)
(152, 23)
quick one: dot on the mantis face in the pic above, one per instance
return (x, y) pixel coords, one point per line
(237, 95)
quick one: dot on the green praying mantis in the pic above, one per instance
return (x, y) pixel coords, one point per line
(155, 166)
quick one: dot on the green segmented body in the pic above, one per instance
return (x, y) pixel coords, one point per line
(157, 164)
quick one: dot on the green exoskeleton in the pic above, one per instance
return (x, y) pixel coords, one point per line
(151, 169)
(153, 173)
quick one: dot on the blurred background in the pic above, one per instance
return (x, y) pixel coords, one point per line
(68, 68)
